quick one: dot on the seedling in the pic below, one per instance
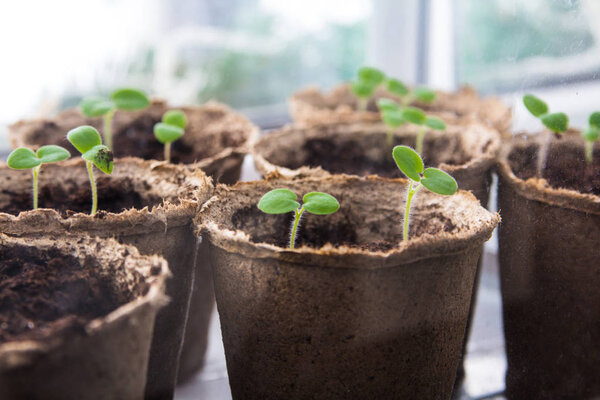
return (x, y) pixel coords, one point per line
(422, 94)
(391, 115)
(591, 135)
(121, 99)
(170, 129)
(24, 158)
(436, 180)
(369, 79)
(555, 122)
(87, 141)
(281, 201)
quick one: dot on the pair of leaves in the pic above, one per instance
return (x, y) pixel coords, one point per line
(125, 99)
(172, 126)
(556, 122)
(369, 79)
(422, 94)
(87, 141)
(24, 158)
(280, 201)
(395, 116)
(411, 164)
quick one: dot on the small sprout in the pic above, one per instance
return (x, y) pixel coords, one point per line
(398, 88)
(417, 116)
(556, 122)
(422, 94)
(391, 115)
(281, 201)
(436, 180)
(24, 158)
(125, 99)
(364, 87)
(591, 135)
(87, 141)
(170, 129)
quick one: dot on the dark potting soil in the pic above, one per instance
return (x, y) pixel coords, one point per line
(43, 292)
(69, 197)
(351, 157)
(317, 230)
(565, 166)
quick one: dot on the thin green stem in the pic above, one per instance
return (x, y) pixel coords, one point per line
(409, 196)
(406, 100)
(168, 152)
(362, 103)
(295, 227)
(108, 129)
(420, 136)
(35, 171)
(90, 167)
(589, 152)
(390, 137)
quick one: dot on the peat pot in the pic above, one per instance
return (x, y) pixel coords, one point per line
(550, 270)
(76, 318)
(352, 312)
(311, 106)
(147, 204)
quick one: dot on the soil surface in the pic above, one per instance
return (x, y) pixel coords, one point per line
(316, 230)
(565, 166)
(44, 292)
(69, 197)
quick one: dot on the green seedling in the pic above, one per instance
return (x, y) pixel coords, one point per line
(24, 158)
(555, 122)
(170, 129)
(87, 141)
(281, 201)
(367, 82)
(391, 115)
(125, 99)
(436, 180)
(422, 94)
(591, 135)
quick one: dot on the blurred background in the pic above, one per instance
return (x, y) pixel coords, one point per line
(252, 54)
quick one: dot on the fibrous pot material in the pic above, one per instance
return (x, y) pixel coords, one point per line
(216, 138)
(549, 245)
(352, 312)
(77, 318)
(147, 204)
(311, 106)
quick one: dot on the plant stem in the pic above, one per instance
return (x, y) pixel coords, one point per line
(543, 152)
(295, 227)
(168, 152)
(390, 137)
(362, 104)
(90, 167)
(35, 171)
(410, 193)
(108, 129)
(589, 152)
(420, 136)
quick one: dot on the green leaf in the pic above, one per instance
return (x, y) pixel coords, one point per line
(439, 182)
(52, 153)
(320, 203)
(175, 118)
(396, 87)
(424, 95)
(83, 138)
(387, 105)
(96, 106)
(362, 89)
(409, 162)
(595, 119)
(278, 201)
(101, 156)
(393, 118)
(128, 99)
(22, 158)
(166, 133)
(435, 123)
(414, 115)
(371, 76)
(536, 106)
(557, 122)
(591, 134)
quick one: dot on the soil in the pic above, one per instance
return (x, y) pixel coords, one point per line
(69, 197)
(316, 231)
(44, 292)
(565, 166)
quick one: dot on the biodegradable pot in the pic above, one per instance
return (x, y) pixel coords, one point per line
(80, 324)
(549, 246)
(147, 204)
(311, 106)
(352, 313)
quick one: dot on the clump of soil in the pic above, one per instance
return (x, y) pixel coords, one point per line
(115, 194)
(565, 166)
(43, 292)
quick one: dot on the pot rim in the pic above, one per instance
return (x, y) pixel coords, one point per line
(19, 353)
(421, 247)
